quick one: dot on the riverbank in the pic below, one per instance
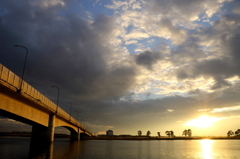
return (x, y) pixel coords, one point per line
(27, 134)
(163, 138)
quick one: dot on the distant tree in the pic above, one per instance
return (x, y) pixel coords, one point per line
(148, 133)
(230, 133)
(237, 133)
(168, 133)
(185, 133)
(139, 133)
(158, 134)
(189, 132)
(238, 130)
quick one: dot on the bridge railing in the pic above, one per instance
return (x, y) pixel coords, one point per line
(11, 80)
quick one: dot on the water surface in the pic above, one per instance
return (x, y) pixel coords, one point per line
(21, 148)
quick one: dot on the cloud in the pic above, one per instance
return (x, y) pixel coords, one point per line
(188, 58)
(47, 4)
(148, 58)
(100, 129)
(236, 9)
(177, 9)
(131, 42)
(215, 110)
(220, 62)
(167, 30)
(170, 110)
(124, 5)
(9, 125)
(68, 48)
(136, 35)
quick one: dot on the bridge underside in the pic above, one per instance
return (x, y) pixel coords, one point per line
(20, 101)
(43, 121)
(41, 132)
(16, 117)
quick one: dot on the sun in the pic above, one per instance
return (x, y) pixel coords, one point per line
(202, 122)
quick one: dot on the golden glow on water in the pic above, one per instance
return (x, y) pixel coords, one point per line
(207, 148)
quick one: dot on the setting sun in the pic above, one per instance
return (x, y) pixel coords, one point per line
(202, 122)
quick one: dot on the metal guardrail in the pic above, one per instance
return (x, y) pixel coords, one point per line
(13, 81)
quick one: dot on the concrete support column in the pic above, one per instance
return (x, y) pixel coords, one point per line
(75, 136)
(83, 136)
(44, 134)
(51, 128)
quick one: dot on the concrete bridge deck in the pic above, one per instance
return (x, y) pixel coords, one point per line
(31, 107)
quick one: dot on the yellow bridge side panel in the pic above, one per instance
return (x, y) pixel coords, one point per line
(22, 109)
(60, 122)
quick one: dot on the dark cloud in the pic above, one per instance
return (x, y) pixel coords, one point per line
(145, 111)
(229, 97)
(148, 58)
(188, 52)
(219, 69)
(65, 50)
(223, 65)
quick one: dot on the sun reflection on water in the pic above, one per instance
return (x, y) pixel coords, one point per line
(207, 148)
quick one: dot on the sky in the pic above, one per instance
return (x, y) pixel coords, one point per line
(130, 65)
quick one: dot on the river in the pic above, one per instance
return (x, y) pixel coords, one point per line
(21, 148)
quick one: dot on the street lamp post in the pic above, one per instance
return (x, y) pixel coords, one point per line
(19, 90)
(57, 98)
(70, 109)
(77, 116)
(82, 121)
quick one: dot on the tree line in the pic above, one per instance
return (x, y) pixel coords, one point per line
(231, 133)
(186, 133)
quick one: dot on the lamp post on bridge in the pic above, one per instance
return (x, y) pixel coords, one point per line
(87, 126)
(82, 122)
(70, 109)
(77, 116)
(57, 98)
(19, 90)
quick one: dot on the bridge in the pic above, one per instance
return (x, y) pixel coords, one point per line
(31, 107)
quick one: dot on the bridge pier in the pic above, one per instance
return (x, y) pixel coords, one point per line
(83, 136)
(75, 136)
(44, 134)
